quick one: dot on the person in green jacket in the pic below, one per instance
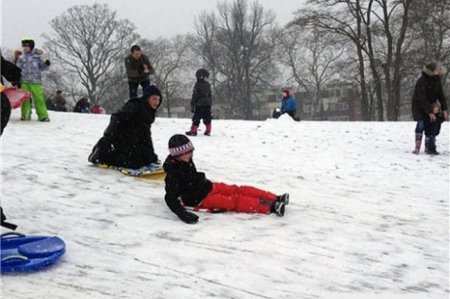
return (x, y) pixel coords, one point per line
(32, 66)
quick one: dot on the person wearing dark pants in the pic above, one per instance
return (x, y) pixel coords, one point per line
(134, 86)
(138, 70)
(201, 103)
(427, 93)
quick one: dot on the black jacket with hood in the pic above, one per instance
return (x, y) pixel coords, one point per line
(185, 186)
(127, 141)
(427, 91)
(201, 95)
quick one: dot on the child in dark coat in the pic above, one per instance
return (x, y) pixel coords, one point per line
(432, 128)
(201, 103)
(186, 187)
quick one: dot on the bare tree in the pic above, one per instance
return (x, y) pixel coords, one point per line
(57, 79)
(313, 57)
(238, 45)
(431, 31)
(170, 58)
(89, 41)
(341, 17)
(378, 29)
(206, 47)
(394, 19)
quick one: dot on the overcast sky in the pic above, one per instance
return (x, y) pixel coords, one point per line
(153, 18)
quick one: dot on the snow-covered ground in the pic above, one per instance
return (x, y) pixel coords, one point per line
(367, 218)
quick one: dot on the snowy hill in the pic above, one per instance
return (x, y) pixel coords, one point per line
(367, 218)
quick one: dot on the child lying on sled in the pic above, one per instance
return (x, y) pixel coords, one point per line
(185, 186)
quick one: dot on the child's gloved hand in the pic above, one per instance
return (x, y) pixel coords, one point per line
(47, 62)
(189, 218)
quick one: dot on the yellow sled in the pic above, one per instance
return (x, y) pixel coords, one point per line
(155, 175)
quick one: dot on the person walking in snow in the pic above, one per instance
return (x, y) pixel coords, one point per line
(201, 103)
(428, 95)
(32, 66)
(127, 141)
(12, 73)
(289, 105)
(186, 187)
(138, 70)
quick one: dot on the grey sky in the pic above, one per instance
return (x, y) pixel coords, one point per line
(153, 18)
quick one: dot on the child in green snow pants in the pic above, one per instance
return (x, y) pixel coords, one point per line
(38, 98)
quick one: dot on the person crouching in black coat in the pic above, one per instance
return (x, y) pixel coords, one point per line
(127, 141)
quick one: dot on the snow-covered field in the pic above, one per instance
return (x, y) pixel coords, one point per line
(367, 218)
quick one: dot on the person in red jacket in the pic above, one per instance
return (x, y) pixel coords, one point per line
(186, 187)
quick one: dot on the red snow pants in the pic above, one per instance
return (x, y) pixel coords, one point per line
(234, 198)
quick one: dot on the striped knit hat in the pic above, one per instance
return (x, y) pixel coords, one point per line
(180, 145)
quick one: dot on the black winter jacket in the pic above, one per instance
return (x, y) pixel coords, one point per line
(127, 141)
(201, 96)
(135, 68)
(185, 186)
(12, 73)
(428, 90)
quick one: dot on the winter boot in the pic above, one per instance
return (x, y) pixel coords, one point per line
(284, 198)
(208, 130)
(418, 143)
(279, 208)
(193, 131)
(430, 145)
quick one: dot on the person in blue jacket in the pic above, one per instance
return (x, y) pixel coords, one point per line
(289, 105)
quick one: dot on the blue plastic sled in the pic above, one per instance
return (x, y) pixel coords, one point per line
(20, 253)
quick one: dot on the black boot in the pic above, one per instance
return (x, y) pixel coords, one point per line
(430, 145)
(284, 198)
(278, 208)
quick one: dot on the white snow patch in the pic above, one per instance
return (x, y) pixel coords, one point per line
(367, 218)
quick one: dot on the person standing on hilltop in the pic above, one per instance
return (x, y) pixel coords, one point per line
(428, 94)
(138, 69)
(201, 103)
(32, 67)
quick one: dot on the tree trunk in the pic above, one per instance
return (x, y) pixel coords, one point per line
(363, 86)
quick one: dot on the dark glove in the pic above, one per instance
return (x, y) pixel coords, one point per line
(188, 217)
(16, 84)
(47, 62)
(2, 217)
(4, 223)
